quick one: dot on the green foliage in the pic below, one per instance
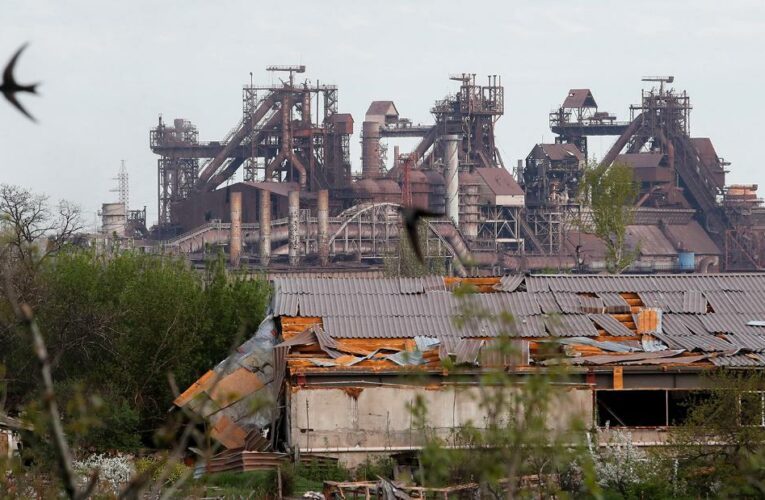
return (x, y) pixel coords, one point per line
(720, 447)
(611, 194)
(154, 466)
(371, 468)
(253, 484)
(322, 471)
(119, 326)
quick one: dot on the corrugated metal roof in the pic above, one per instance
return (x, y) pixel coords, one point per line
(568, 302)
(749, 341)
(525, 326)
(703, 343)
(509, 283)
(592, 305)
(673, 325)
(729, 323)
(739, 360)
(694, 302)
(547, 303)
(614, 303)
(467, 351)
(646, 283)
(611, 325)
(570, 325)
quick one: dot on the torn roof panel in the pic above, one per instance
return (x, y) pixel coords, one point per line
(570, 325)
(568, 302)
(509, 283)
(611, 325)
(547, 303)
(614, 302)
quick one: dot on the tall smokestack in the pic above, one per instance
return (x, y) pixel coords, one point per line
(265, 227)
(370, 150)
(294, 227)
(451, 173)
(323, 213)
(235, 240)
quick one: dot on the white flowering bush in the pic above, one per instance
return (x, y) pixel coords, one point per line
(113, 471)
(621, 465)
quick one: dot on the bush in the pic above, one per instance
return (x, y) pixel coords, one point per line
(371, 468)
(155, 465)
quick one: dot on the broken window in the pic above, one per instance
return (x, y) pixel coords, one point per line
(646, 408)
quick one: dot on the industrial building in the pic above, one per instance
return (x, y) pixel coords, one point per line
(279, 192)
(340, 359)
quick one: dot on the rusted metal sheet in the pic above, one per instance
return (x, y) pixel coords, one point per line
(648, 320)
(611, 325)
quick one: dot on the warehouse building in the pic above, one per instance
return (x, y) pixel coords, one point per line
(344, 358)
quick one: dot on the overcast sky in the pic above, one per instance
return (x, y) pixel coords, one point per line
(109, 68)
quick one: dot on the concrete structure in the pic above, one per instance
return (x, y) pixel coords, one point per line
(350, 355)
(113, 219)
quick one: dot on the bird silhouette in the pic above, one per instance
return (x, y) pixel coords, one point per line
(411, 218)
(10, 87)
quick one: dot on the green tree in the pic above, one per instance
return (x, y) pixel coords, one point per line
(119, 325)
(610, 193)
(720, 448)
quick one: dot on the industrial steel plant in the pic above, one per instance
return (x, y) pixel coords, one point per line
(300, 206)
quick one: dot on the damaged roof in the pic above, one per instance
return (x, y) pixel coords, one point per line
(698, 317)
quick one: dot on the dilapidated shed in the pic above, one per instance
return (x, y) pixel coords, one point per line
(343, 358)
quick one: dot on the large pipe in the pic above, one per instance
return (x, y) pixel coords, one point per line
(370, 150)
(235, 238)
(451, 174)
(323, 216)
(265, 227)
(294, 227)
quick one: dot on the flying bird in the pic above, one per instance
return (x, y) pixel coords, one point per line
(411, 217)
(10, 87)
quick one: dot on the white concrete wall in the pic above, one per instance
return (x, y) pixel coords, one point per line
(331, 420)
